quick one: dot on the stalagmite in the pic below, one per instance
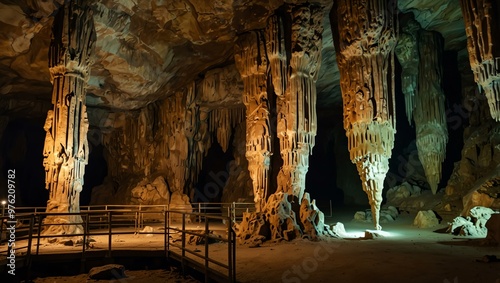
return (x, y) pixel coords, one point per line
(408, 56)
(365, 43)
(482, 23)
(430, 117)
(66, 147)
(251, 61)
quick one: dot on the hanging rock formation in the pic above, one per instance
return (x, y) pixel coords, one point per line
(251, 61)
(482, 23)
(430, 116)
(66, 147)
(408, 56)
(365, 42)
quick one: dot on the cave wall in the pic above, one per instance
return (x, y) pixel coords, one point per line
(171, 138)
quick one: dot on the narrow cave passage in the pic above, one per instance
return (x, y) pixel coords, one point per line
(214, 174)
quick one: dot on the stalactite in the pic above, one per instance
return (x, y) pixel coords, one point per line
(482, 23)
(251, 61)
(430, 117)
(66, 147)
(294, 83)
(364, 43)
(408, 56)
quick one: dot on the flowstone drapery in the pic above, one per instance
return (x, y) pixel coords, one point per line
(251, 61)
(365, 43)
(482, 23)
(429, 115)
(408, 56)
(66, 147)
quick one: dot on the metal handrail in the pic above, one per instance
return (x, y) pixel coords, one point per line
(37, 225)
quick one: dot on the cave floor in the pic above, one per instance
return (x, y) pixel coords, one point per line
(404, 254)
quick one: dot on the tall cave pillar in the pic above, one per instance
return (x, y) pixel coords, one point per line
(429, 115)
(408, 56)
(66, 147)
(250, 57)
(294, 83)
(482, 23)
(364, 38)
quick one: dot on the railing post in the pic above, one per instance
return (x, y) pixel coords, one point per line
(168, 231)
(199, 211)
(331, 211)
(30, 241)
(229, 251)
(85, 221)
(165, 232)
(109, 231)
(39, 232)
(183, 252)
(206, 248)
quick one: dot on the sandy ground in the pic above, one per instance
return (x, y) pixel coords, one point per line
(404, 254)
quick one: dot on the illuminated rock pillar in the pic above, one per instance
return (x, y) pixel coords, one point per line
(481, 18)
(429, 115)
(66, 147)
(364, 36)
(250, 57)
(295, 87)
(408, 56)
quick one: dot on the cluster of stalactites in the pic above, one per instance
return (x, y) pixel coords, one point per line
(73, 38)
(482, 23)
(172, 136)
(294, 84)
(251, 62)
(408, 56)
(430, 119)
(365, 55)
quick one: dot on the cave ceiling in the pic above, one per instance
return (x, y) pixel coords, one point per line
(146, 50)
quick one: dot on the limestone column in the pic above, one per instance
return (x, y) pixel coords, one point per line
(364, 38)
(294, 82)
(66, 147)
(251, 61)
(429, 115)
(481, 18)
(408, 56)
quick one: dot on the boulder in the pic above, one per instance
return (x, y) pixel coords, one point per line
(493, 226)
(107, 272)
(180, 202)
(426, 219)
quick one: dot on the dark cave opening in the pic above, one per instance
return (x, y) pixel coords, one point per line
(22, 147)
(323, 173)
(95, 172)
(22, 150)
(214, 174)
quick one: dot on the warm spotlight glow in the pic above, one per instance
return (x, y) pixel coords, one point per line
(4, 202)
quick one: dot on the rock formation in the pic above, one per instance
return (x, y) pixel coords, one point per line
(482, 26)
(66, 147)
(250, 57)
(365, 54)
(408, 56)
(170, 138)
(289, 212)
(430, 117)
